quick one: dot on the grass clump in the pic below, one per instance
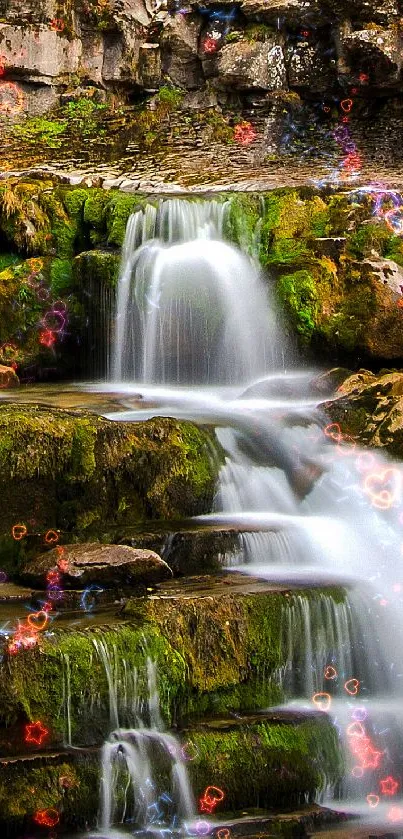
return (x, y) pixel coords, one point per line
(39, 130)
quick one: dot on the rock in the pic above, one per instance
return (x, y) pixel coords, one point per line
(75, 471)
(107, 565)
(375, 47)
(8, 377)
(279, 387)
(327, 383)
(149, 69)
(245, 65)
(294, 10)
(383, 333)
(38, 52)
(179, 50)
(370, 408)
(307, 68)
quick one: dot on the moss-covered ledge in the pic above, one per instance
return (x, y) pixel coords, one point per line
(287, 763)
(83, 474)
(214, 653)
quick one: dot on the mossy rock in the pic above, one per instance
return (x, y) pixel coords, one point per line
(287, 763)
(72, 470)
(98, 267)
(213, 654)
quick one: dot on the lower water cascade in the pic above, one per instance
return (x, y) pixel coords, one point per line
(190, 312)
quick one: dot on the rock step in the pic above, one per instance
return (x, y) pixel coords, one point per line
(286, 760)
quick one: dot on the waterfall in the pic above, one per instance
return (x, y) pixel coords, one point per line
(193, 310)
(147, 759)
(186, 301)
(138, 764)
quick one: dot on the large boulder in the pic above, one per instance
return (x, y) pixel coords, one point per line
(179, 45)
(90, 563)
(76, 472)
(307, 68)
(370, 409)
(259, 65)
(38, 54)
(375, 48)
(293, 10)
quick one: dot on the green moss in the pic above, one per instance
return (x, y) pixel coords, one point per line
(172, 96)
(95, 214)
(346, 326)
(257, 32)
(232, 644)
(61, 275)
(64, 229)
(74, 200)
(287, 252)
(101, 267)
(373, 235)
(41, 130)
(286, 765)
(83, 463)
(241, 221)
(297, 293)
(118, 210)
(73, 655)
(163, 468)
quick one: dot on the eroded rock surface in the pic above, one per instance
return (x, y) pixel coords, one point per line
(370, 409)
(108, 565)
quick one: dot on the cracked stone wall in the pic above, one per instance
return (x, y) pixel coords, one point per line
(259, 51)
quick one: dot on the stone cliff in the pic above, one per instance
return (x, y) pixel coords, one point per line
(288, 64)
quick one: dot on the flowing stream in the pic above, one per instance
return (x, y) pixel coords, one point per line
(196, 334)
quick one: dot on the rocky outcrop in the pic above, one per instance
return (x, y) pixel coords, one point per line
(369, 408)
(131, 45)
(107, 565)
(246, 66)
(75, 472)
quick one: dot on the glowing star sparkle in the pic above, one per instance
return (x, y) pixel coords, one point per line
(36, 733)
(389, 785)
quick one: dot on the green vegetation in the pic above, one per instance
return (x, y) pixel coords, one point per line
(255, 32)
(299, 295)
(40, 130)
(81, 116)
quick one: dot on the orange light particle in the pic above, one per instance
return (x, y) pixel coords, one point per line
(210, 798)
(47, 818)
(51, 537)
(330, 672)
(322, 700)
(383, 487)
(18, 531)
(352, 686)
(346, 105)
(38, 620)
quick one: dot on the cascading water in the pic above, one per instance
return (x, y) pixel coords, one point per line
(144, 780)
(186, 300)
(191, 309)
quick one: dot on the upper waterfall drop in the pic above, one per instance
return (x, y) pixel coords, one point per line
(191, 308)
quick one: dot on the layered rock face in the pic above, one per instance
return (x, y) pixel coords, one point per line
(268, 47)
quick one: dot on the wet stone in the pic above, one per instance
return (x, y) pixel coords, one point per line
(108, 565)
